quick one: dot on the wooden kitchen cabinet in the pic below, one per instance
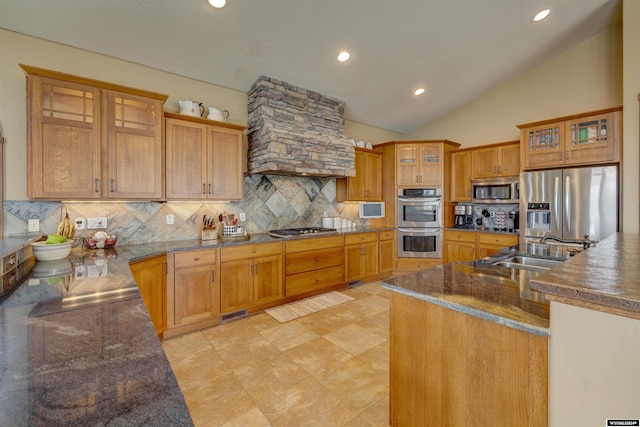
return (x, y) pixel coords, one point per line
(135, 147)
(151, 277)
(496, 160)
(491, 243)
(584, 139)
(193, 293)
(463, 245)
(367, 184)
(92, 140)
(360, 256)
(203, 159)
(313, 265)
(251, 275)
(458, 246)
(419, 163)
(387, 252)
(461, 162)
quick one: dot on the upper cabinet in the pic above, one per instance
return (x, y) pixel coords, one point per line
(92, 140)
(461, 176)
(367, 184)
(204, 159)
(419, 163)
(496, 160)
(586, 139)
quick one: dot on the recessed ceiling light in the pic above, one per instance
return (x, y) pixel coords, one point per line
(217, 3)
(541, 15)
(419, 91)
(344, 56)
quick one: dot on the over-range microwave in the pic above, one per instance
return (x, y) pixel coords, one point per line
(495, 190)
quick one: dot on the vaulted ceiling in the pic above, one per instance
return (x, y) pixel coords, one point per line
(455, 49)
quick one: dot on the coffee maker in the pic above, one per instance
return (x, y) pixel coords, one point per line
(463, 216)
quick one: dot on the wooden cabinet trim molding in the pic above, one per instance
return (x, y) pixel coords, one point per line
(170, 115)
(571, 117)
(36, 71)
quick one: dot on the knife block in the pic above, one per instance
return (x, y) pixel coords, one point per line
(209, 234)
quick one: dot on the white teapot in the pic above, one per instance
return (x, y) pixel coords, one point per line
(215, 114)
(191, 108)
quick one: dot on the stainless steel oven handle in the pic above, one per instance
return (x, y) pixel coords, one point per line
(420, 199)
(421, 230)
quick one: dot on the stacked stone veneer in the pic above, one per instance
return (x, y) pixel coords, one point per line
(296, 131)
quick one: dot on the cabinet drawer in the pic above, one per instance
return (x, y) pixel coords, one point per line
(497, 239)
(313, 260)
(250, 251)
(460, 236)
(354, 239)
(313, 243)
(194, 258)
(313, 280)
(387, 235)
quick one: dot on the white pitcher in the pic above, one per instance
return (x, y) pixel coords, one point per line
(191, 108)
(215, 114)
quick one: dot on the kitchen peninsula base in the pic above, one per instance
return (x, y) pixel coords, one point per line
(452, 368)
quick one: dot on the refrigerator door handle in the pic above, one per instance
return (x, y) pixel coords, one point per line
(567, 204)
(556, 204)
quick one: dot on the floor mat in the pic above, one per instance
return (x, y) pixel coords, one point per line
(297, 309)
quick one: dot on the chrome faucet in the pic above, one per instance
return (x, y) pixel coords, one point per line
(586, 242)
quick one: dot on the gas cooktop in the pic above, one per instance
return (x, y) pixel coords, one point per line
(291, 232)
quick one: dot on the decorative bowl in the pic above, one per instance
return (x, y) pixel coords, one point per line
(52, 251)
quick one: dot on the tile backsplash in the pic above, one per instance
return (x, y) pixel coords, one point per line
(269, 202)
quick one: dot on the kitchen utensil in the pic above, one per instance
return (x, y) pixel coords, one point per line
(215, 114)
(191, 108)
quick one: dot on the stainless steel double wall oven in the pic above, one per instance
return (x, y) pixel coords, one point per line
(420, 223)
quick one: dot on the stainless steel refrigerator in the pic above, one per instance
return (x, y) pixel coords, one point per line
(569, 203)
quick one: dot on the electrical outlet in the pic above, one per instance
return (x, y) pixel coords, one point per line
(243, 217)
(34, 225)
(170, 219)
(80, 222)
(93, 223)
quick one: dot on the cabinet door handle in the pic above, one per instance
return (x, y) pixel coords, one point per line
(195, 258)
(164, 265)
(256, 270)
(317, 259)
(209, 188)
(112, 182)
(96, 182)
(213, 275)
(204, 188)
(250, 268)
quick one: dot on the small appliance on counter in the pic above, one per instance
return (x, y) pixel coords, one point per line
(463, 217)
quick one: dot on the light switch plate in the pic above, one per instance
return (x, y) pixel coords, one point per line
(243, 217)
(93, 223)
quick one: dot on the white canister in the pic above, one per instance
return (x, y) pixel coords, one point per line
(327, 222)
(337, 222)
(345, 223)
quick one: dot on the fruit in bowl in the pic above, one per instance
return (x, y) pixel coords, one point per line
(55, 247)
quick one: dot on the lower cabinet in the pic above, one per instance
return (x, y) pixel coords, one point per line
(360, 256)
(459, 245)
(251, 275)
(490, 244)
(193, 293)
(312, 265)
(151, 277)
(387, 252)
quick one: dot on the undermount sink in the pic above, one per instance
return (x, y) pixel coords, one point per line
(528, 263)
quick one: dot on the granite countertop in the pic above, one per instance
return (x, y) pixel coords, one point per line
(77, 345)
(493, 293)
(605, 276)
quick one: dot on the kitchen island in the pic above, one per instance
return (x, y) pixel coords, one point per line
(473, 346)
(468, 347)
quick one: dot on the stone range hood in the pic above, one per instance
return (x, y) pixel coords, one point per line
(294, 131)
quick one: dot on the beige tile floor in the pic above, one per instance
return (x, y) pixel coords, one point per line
(329, 368)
